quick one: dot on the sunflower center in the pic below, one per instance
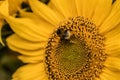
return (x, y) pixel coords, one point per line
(75, 51)
(70, 56)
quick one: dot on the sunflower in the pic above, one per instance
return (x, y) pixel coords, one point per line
(67, 40)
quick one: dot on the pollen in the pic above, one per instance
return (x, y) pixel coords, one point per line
(75, 51)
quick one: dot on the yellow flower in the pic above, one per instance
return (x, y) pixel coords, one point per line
(67, 40)
(8, 8)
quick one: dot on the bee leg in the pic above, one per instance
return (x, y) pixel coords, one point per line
(73, 42)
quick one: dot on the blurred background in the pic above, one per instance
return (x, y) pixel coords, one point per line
(8, 58)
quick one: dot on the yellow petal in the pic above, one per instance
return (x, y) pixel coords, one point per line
(79, 6)
(31, 72)
(17, 41)
(66, 7)
(113, 50)
(101, 11)
(4, 8)
(24, 47)
(1, 37)
(1, 24)
(55, 9)
(44, 11)
(113, 62)
(27, 29)
(113, 47)
(27, 52)
(32, 52)
(108, 75)
(113, 41)
(31, 15)
(114, 33)
(14, 8)
(31, 59)
(113, 19)
(86, 7)
(37, 20)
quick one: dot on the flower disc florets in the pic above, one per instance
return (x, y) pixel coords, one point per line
(75, 51)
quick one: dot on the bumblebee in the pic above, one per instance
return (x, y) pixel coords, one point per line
(65, 35)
